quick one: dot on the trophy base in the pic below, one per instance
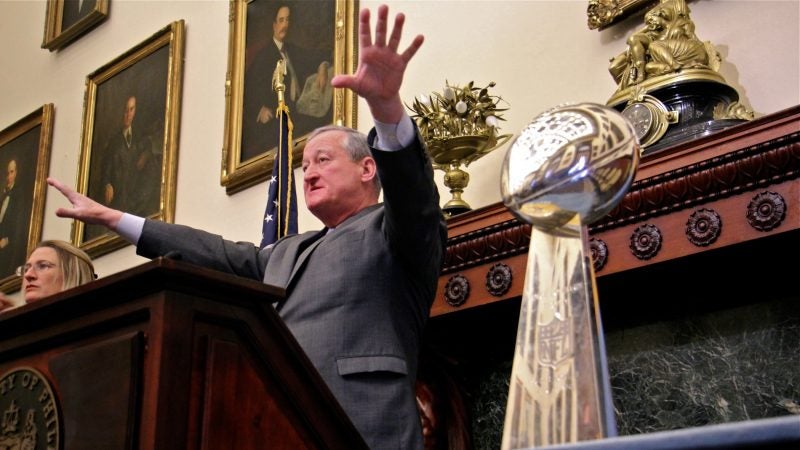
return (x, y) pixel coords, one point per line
(559, 391)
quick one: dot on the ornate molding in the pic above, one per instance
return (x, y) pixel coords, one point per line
(486, 244)
(600, 14)
(752, 168)
(766, 211)
(739, 171)
(703, 227)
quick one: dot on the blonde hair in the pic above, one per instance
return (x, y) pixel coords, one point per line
(75, 265)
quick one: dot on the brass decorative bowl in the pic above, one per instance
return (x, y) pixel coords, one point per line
(465, 149)
(458, 126)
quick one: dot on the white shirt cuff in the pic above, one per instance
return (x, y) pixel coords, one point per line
(130, 228)
(394, 136)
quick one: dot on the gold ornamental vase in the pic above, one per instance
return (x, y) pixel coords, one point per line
(449, 154)
(459, 125)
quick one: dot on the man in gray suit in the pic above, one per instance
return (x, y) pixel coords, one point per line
(359, 291)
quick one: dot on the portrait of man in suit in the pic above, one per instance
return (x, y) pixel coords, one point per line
(67, 20)
(308, 52)
(14, 218)
(126, 156)
(130, 156)
(129, 168)
(74, 11)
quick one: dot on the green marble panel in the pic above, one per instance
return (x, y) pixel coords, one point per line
(733, 365)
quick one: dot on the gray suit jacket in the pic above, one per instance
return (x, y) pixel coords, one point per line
(357, 296)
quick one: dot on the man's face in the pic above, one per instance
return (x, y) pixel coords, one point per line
(333, 184)
(280, 26)
(130, 112)
(11, 173)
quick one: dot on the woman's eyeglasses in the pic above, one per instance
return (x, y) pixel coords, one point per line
(38, 267)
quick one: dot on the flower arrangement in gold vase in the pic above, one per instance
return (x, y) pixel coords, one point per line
(459, 125)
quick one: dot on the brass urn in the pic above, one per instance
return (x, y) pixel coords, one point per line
(459, 126)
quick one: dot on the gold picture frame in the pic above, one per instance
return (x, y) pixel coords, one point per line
(24, 150)
(67, 20)
(326, 30)
(603, 13)
(129, 141)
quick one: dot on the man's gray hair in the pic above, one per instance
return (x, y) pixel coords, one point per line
(355, 145)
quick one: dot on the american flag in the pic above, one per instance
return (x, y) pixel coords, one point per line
(280, 216)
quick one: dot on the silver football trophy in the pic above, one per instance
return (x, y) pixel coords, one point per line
(569, 167)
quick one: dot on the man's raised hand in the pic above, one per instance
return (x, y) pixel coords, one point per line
(380, 67)
(85, 209)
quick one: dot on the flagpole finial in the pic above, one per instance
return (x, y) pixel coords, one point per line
(277, 79)
(280, 215)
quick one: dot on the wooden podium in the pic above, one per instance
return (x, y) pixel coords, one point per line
(163, 356)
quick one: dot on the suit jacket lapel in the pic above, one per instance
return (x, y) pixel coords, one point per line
(284, 255)
(287, 262)
(309, 245)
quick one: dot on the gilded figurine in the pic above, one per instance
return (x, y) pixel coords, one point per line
(667, 44)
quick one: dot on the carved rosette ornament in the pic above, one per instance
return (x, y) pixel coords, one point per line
(703, 227)
(456, 291)
(599, 250)
(498, 279)
(766, 211)
(645, 241)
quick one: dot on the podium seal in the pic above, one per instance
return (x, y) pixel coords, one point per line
(30, 415)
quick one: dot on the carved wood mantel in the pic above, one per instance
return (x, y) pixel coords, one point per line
(734, 186)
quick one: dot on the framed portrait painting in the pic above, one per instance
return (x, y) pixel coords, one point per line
(67, 20)
(129, 142)
(601, 14)
(24, 164)
(317, 40)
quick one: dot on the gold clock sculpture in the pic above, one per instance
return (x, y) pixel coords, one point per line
(668, 81)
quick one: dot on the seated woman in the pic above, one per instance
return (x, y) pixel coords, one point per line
(53, 266)
(666, 45)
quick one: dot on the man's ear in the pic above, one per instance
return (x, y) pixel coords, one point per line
(369, 169)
